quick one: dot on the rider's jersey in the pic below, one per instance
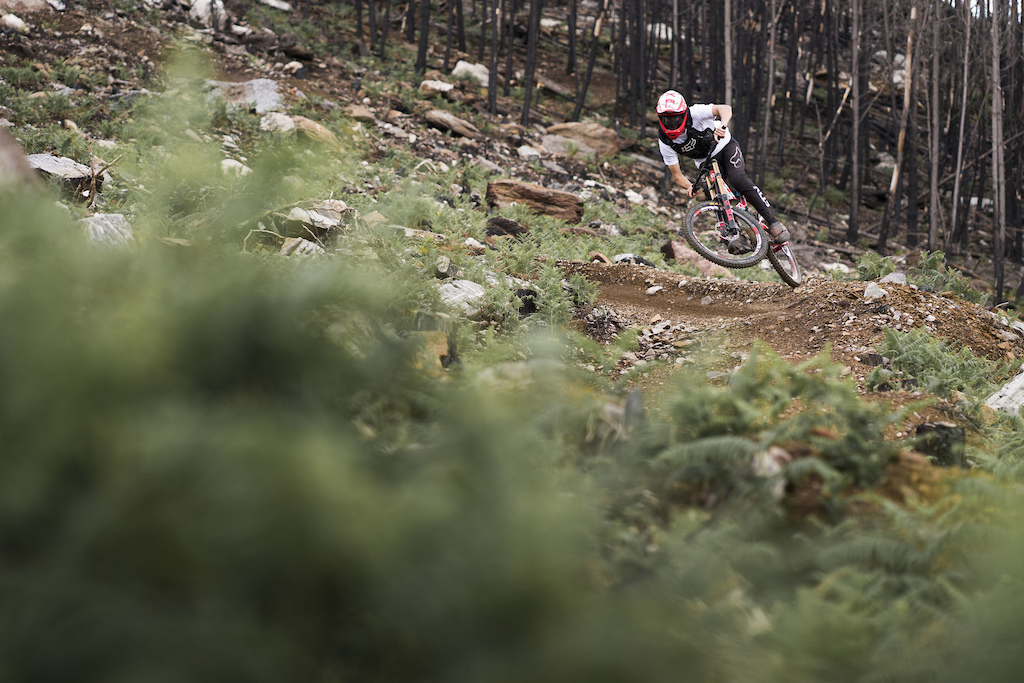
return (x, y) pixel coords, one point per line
(697, 141)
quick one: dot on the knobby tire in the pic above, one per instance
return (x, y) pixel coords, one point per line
(746, 223)
(786, 265)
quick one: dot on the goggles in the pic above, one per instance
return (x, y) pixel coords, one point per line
(673, 121)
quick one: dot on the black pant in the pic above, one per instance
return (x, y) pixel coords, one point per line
(730, 161)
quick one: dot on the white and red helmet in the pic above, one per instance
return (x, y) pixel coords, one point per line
(672, 113)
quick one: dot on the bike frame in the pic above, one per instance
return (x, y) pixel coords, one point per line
(724, 193)
(726, 197)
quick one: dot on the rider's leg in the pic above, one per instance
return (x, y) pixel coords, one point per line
(730, 160)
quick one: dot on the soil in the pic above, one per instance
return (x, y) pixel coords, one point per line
(797, 324)
(822, 314)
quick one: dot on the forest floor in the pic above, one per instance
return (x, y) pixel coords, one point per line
(824, 313)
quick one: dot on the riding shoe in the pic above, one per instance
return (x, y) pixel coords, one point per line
(739, 245)
(779, 233)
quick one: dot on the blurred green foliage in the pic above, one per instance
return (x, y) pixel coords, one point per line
(221, 464)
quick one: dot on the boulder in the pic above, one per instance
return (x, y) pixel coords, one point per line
(108, 228)
(360, 112)
(77, 178)
(24, 5)
(277, 122)
(477, 72)
(464, 295)
(565, 146)
(208, 13)
(603, 141)
(541, 200)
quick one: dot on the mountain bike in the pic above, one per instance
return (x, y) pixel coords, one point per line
(724, 232)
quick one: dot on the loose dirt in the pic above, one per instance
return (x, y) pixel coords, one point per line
(822, 314)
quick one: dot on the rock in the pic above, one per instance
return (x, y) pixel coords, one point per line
(706, 300)
(76, 178)
(1010, 397)
(235, 168)
(894, 278)
(476, 72)
(14, 23)
(635, 259)
(208, 13)
(651, 291)
(448, 121)
(108, 228)
(277, 4)
(430, 88)
(464, 295)
(526, 152)
(564, 146)
(603, 141)
(360, 112)
(24, 5)
(488, 165)
(297, 246)
(553, 167)
(634, 197)
(476, 246)
(312, 130)
(317, 221)
(563, 205)
(277, 122)
(873, 292)
(260, 94)
(295, 69)
(836, 267)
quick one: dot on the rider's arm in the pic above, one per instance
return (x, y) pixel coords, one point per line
(680, 179)
(724, 113)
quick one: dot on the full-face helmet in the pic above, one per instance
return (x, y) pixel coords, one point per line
(672, 114)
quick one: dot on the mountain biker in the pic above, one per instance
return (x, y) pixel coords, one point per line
(701, 131)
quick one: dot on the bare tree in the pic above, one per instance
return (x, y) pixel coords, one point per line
(998, 165)
(963, 125)
(421, 53)
(892, 206)
(727, 45)
(581, 94)
(774, 12)
(853, 226)
(536, 7)
(934, 133)
(492, 74)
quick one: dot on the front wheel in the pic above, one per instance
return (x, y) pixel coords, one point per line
(706, 231)
(784, 262)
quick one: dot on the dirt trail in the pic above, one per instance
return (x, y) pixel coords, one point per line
(797, 324)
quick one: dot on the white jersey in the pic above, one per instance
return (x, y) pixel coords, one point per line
(701, 118)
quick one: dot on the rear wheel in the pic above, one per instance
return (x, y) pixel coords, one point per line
(782, 258)
(705, 229)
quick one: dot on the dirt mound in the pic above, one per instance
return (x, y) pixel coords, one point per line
(796, 324)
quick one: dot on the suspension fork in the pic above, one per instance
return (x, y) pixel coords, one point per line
(715, 176)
